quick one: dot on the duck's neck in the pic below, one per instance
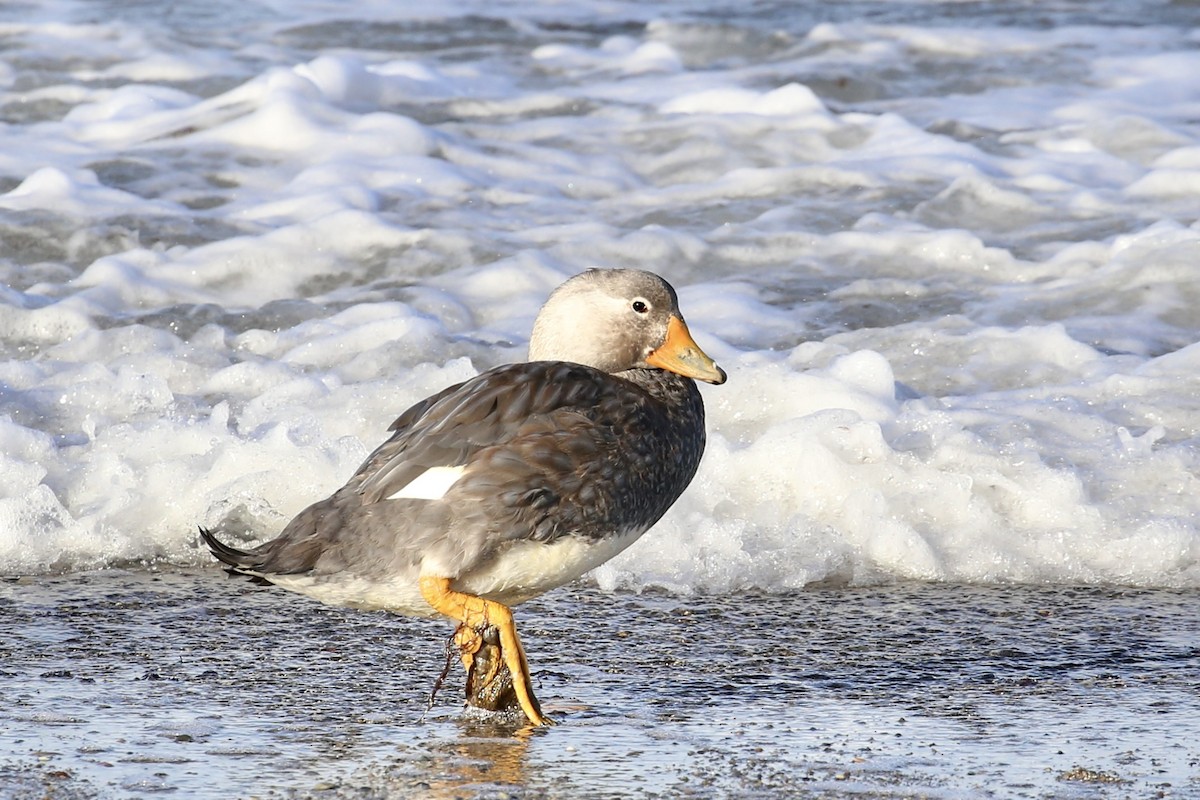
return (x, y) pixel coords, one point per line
(677, 393)
(675, 435)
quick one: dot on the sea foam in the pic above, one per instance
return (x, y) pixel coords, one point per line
(949, 270)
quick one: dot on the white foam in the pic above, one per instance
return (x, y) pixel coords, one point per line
(784, 101)
(80, 194)
(617, 53)
(950, 271)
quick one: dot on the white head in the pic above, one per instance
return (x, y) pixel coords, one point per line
(619, 319)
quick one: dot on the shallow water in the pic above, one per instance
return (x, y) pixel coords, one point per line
(131, 684)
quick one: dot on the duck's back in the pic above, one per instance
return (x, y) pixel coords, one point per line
(553, 454)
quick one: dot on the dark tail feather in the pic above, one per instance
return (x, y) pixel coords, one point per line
(224, 553)
(236, 561)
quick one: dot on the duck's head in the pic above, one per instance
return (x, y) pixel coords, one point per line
(619, 319)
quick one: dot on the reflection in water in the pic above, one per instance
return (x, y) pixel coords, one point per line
(487, 752)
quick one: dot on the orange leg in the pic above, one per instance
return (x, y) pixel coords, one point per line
(475, 612)
(468, 641)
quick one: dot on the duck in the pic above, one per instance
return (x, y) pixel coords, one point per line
(503, 487)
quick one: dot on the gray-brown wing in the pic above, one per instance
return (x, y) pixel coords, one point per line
(543, 441)
(399, 428)
(498, 406)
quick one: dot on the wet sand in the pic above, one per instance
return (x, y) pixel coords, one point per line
(192, 684)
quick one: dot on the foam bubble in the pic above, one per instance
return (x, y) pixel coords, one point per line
(618, 53)
(79, 193)
(786, 100)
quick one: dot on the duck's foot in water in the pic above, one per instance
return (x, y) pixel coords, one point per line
(489, 682)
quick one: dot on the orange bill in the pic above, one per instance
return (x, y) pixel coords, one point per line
(679, 353)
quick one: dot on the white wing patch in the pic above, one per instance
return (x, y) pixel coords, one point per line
(432, 484)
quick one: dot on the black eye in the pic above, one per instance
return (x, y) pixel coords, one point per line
(640, 306)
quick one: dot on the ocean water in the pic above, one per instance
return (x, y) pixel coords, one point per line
(947, 252)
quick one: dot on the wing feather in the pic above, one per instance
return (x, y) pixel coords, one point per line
(548, 449)
(497, 406)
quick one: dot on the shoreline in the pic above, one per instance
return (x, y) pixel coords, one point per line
(141, 683)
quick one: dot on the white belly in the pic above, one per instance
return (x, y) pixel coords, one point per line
(399, 594)
(528, 569)
(522, 571)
